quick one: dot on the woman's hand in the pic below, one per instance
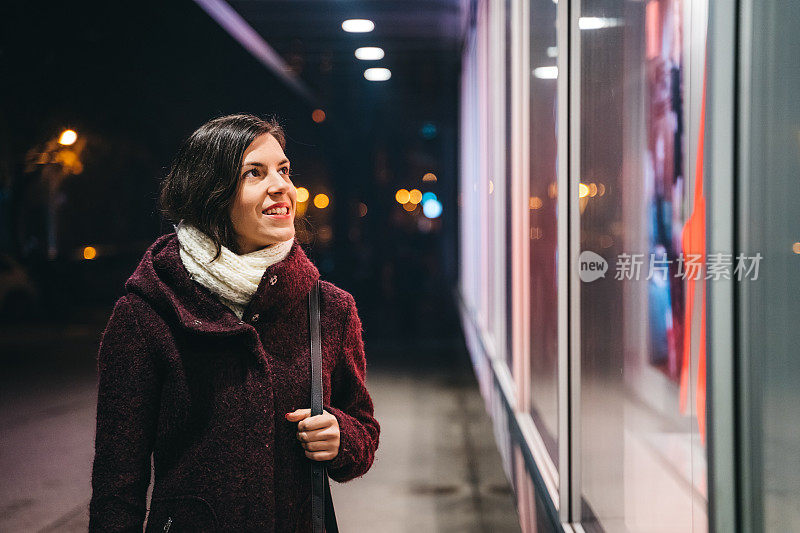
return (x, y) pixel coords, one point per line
(319, 434)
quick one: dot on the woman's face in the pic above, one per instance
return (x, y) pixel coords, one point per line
(263, 183)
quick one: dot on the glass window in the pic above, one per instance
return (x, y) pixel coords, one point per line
(509, 263)
(642, 464)
(770, 305)
(543, 224)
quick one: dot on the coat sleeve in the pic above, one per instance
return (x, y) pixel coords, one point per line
(352, 406)
(127, 410)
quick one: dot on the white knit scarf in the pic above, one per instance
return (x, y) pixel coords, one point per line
(233, 278)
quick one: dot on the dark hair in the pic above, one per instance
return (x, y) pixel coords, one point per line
(201, 185)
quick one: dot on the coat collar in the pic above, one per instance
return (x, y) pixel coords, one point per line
(162, 280)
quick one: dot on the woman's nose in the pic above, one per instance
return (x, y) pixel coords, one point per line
(277, 183)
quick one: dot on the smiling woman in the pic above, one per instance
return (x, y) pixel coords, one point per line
(205, 361)
(225, 175)
(264, 206)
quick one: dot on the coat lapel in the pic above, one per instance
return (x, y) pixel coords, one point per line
(162, 280)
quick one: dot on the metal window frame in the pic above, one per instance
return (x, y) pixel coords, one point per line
(720, 149)
(569, 180)
(498, 146)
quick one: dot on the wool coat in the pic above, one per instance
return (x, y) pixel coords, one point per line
(182, 377)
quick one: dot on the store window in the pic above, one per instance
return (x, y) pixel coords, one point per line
(641, 411)
(507, 200)
(543, 235)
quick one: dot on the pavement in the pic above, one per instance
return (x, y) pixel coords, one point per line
(437, 468)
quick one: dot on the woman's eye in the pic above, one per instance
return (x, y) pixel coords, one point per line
(250, 172)
(285, 171)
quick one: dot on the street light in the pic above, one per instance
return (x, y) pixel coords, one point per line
(68, 137)
(58, 158)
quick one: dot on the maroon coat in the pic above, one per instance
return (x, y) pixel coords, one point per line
(181, 376)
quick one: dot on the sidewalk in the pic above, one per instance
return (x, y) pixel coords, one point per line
(437, 468)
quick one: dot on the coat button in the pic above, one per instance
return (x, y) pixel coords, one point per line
(197, 322)
(255, 317)
(241, 322)
(273, 279)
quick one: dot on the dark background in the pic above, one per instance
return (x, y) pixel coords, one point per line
(134, 79)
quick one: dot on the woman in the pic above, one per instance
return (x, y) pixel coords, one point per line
(205, 361)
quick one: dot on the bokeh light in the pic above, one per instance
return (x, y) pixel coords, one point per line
(318, 115)
(432, 208)
(68, 137)
(321, 201)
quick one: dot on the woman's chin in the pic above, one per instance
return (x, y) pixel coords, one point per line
(279, 234)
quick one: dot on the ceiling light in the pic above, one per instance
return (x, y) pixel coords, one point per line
(358, 25)
(546, 73)
(377, 74)
(369, 53)
(598, 23)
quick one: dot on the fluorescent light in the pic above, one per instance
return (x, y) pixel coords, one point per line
(369, 53)
(596, 23)
(377, 74)
(358, 25)
(552, 51)
(546, 73)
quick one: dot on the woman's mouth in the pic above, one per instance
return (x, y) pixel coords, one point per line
(282, 212)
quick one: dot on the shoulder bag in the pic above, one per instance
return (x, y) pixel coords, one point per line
(323, 517)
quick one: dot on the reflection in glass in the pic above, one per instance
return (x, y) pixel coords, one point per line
(509, 176)
(543, 224)
(642, 453)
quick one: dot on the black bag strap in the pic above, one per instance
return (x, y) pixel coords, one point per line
(322, 521)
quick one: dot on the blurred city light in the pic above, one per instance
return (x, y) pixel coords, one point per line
(432, 208)
(68, 137)
(402, 196)
(415, 196)
(428, 196)
(546, 73)
(89, 252)
(302, 194)
(409, 206)
(596, 23)
(358, 25)
(583, 190)
(362, 209)
(378, 74)
(318, 115)
(428, 130)
(369, 53)
(535, 202)
(429, 176)
(325, 233)
(321, 201)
